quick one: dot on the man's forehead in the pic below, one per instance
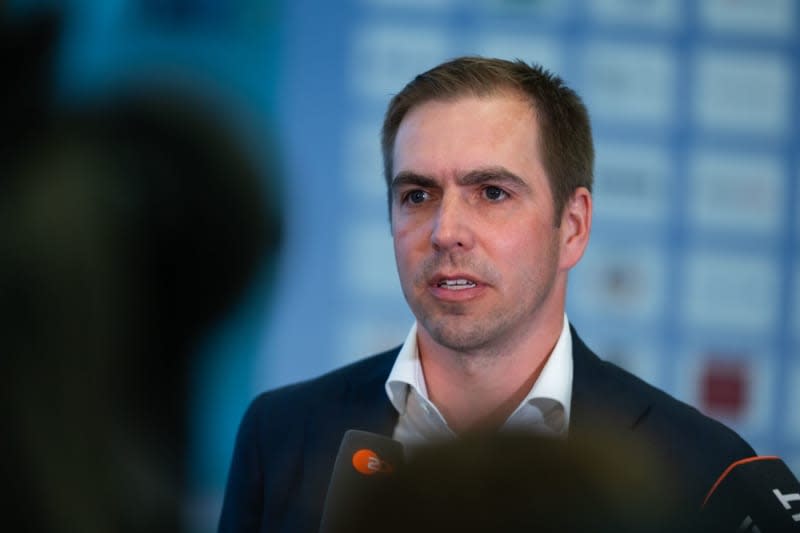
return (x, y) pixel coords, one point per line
(458, 136)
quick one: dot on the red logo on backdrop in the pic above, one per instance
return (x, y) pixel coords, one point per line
(725, 387)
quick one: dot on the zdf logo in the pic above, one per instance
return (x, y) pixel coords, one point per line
(368, 463)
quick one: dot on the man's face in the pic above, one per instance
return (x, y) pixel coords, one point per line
(476, 246)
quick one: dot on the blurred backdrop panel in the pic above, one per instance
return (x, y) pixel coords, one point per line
(692, 278)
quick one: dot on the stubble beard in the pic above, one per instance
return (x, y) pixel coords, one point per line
(491, 333)
(465, 329)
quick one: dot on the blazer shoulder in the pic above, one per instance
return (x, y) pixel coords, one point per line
(329, 387)
(668, 415)
(603, 386)
(287, 441)
(691, 446)
(664, 410)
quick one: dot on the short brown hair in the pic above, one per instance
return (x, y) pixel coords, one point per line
(567, 149)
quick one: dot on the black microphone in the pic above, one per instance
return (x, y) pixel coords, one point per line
(754, 495)
(365, 462)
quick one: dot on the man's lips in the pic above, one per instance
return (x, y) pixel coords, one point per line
(455, 282)
(456, 288)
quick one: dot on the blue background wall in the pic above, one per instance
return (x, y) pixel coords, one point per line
(692, 279)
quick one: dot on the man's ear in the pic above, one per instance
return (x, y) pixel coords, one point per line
(576, 225)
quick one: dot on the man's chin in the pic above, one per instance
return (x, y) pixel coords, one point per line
(458, 337)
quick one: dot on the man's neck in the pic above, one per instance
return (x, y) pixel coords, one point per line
(479, 391)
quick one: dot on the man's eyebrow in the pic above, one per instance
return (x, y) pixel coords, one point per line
(498, 175)
(405, 178)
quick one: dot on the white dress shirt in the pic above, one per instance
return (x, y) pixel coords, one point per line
(544, 410)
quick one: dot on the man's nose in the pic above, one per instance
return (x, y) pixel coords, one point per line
(451, 228)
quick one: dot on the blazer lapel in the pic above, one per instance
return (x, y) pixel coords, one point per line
(602, 397)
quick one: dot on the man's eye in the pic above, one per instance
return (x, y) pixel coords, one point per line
(494, 193)
(416, 196)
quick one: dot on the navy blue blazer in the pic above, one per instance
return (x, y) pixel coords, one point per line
(289, 437)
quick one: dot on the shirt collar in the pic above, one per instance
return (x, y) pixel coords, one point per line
(554, 383)
(552, 391)
(406, 372)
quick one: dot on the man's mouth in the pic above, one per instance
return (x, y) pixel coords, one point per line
(459, 284)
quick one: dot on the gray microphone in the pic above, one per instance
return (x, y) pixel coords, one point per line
(365, 462)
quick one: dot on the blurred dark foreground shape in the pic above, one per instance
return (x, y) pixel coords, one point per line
(128, 227)
(523, 483)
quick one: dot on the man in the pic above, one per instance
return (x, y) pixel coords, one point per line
(488, 165)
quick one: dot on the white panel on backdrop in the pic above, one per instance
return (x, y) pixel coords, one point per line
(795, 305)
(768, 17)
(730, 290)
(530, 8)
(623, 281)
(426, 4)
(736, 192)
(363, 164)
(793, 399)
(637, 357)
(631, 182)
(384, 58)
(793, 462)
(539, 50)
(796, 205)
(630, 83)
(361, 335)
(734, 384)
(367, 262)
(664, 14)
(748, 92)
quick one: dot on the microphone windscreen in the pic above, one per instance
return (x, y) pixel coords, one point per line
(364, 463)
(758, 494)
